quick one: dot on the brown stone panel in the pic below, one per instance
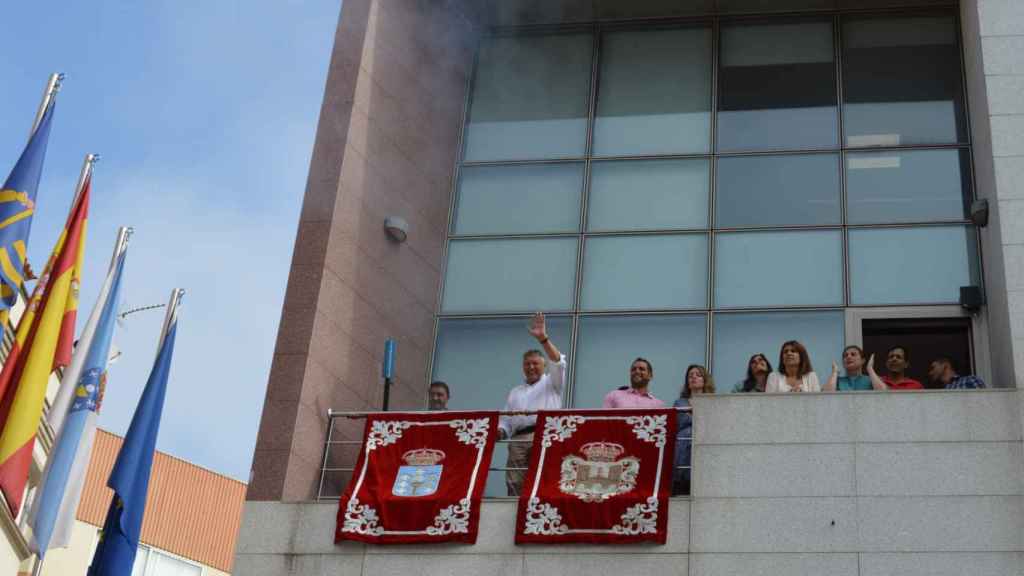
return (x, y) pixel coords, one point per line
(277, 425)
(385, 146)
(286, 372)
(269, 468)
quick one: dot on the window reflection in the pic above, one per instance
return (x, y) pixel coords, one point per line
(519, 199)
(648, 195)
(788, 190)
(902, 81)
(777, 87)
(529, 98)
(907, 186)
(655, 92)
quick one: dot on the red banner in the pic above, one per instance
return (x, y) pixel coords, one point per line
(419, 478)
(599, 476)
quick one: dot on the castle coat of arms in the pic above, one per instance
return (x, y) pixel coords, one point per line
(600, 474)
(421, 475)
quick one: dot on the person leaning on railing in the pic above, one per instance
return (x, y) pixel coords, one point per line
(541, 390)
(897, 362)
(697, 381)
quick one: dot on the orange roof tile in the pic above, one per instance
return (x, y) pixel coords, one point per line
(190, 511)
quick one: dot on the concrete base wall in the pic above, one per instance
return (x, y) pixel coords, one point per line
(865, 484)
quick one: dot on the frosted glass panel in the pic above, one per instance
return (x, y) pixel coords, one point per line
(906, 186)
(530, 98)
(645, 272)
(910, 265)
(519, 199)
(778, 268)
(740, 336)
(481, 360)
(609, 344)
(510, 275)
(655, 92)
(648, 195)
(777, 87)
(164, 565)
(777, 191)
(903, 81)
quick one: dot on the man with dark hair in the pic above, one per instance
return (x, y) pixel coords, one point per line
(438, 396)
(897, 361)
(636, 395)
(541, 390)
(942, 372)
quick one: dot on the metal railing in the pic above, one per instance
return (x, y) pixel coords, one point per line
(331, 442)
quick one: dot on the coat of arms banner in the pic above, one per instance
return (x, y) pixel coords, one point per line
(599, 476)
(418, 478)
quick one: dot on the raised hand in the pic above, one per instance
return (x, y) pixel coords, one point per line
(538, 328)
(835, 367)
(871, 364)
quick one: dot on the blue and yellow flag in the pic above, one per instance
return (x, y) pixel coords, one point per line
(17, 205)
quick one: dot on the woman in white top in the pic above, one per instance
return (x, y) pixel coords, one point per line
(795, 373)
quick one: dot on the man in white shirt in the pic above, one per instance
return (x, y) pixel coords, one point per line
(542, 390)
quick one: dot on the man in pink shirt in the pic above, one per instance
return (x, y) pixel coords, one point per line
(635, 395)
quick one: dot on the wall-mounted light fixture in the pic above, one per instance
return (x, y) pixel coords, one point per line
(397, 228)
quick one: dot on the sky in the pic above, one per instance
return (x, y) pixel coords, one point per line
(204, 114)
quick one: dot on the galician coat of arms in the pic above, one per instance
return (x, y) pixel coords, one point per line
(601, 474)
(421, 475)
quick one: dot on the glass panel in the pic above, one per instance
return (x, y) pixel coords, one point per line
(648, 195)
(655, 92)
(519, 199)
(481, 360)
(740, 336)
(903, 83)
(510, 275)
(530, 98)
(645, 272)
(779, 268)
(907, 186)
(777, 191)
(777, 87)
(910, 265)
(609, 344)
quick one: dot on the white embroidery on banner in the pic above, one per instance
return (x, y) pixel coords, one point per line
(543, 519)
(650, 428)
(603, 473)
(361, 519)
(639, 519)
(472, 432)
(385, 432)
(559, 428)
(452, 520)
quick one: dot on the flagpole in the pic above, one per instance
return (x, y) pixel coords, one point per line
(171, 315)
(52, 87)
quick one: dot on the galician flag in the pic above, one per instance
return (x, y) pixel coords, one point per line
(45, 329)
(119, 539)
(73, 417)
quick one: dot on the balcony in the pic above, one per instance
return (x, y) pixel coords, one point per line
(833, 483)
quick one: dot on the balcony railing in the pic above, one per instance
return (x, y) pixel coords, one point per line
(328, 490)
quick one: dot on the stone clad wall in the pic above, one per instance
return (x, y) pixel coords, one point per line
(857, 484)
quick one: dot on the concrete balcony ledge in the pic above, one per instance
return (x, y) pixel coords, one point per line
(849, 484)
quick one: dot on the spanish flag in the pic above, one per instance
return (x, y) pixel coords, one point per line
(44, 333)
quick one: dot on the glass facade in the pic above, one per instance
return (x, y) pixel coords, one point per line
(698, 192)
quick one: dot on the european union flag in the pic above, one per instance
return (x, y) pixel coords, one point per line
(119, 540)
(17, 205)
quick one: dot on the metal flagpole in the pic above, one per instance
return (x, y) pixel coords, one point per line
(52, 87)
(169, 317)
